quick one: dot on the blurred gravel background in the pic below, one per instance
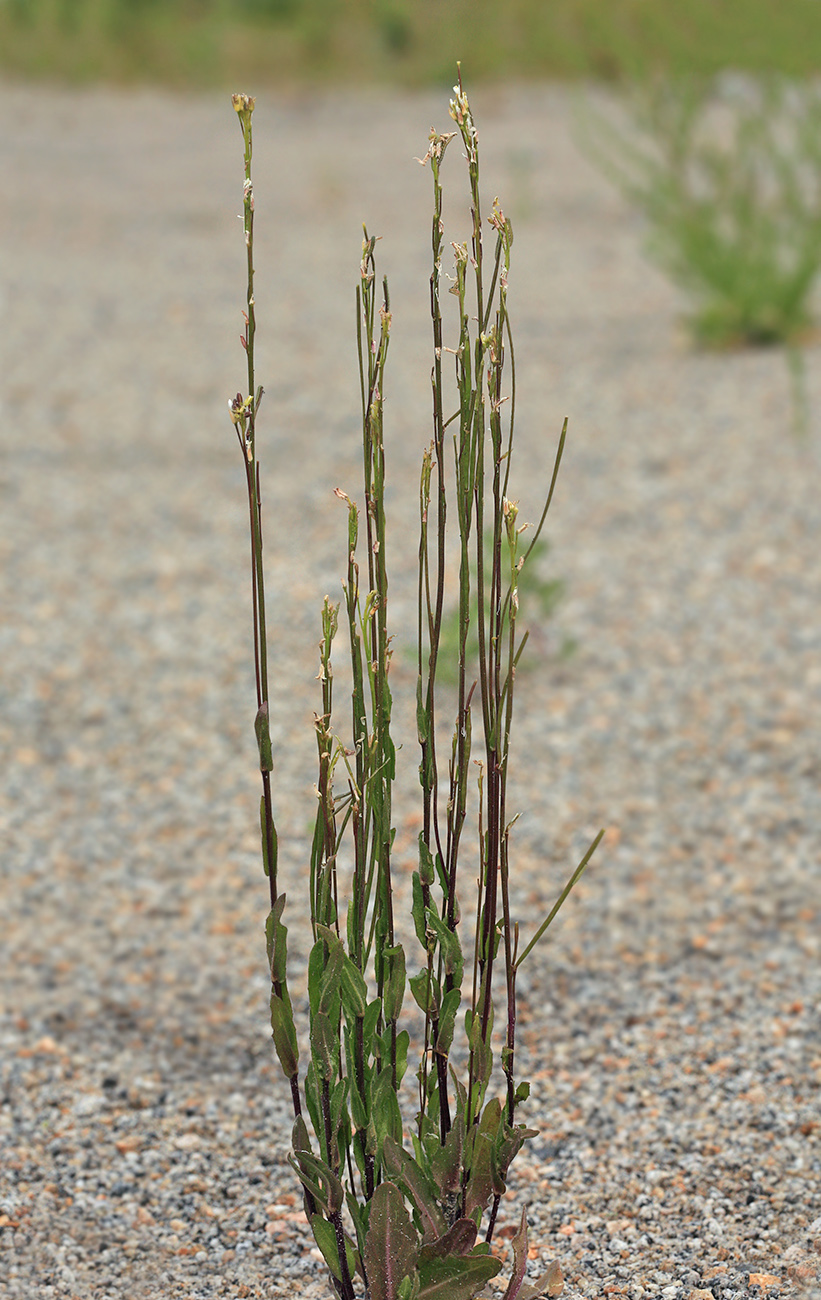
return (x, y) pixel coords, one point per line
(671, 1026)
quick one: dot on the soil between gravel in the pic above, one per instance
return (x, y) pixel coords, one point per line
(671, 1026)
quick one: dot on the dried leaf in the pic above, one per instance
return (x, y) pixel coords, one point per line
(519, 1244)
(551, 1283)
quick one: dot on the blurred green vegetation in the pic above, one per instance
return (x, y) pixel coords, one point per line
(411, 42)
(727, 173)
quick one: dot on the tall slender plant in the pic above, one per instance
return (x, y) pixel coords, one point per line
(397, 1210)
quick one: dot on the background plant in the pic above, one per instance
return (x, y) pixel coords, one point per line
(397, 1209)
(207, 42)
(728, 177)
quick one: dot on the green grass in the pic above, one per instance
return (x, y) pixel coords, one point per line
(413, 42)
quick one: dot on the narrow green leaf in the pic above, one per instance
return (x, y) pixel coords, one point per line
(561, 899)
(329, 988)
(338, 1098)
(276, 940)
(426, 867)
(320, 1180)
(402, 1045)
(266, 761)
(519, 1244)
(324, 1045)
(371, 1020)
(266, 866)
(394, 988)
(325, 1237)
(316, 967)
(449, 945)
(422, 724)
(390, 1244)
(300, 1139)
(447, 1020)
(385, 1111)
(284, 1035)
(312, 1098)
(354, 990)
(418, 911)
(409, 1288)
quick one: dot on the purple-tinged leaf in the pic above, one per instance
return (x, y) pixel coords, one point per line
(457, 1277)
(390, 1245)
(402, 1167)
(519, 1244)
(458, 1240)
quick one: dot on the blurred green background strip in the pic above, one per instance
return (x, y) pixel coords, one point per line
(202, 43)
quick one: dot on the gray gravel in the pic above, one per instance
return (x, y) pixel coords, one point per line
(671, 1026)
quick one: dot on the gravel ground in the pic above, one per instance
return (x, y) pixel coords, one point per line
(671, 1027)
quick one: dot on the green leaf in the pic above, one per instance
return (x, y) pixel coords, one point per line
(418, 910)
(426, 867)
(402, 1045)
(266, 866)
(446, 1161)
(409, 1288)
(449, 945)
(284, 1034)
(338, 1097)
(390, 1244)
(394, 988)
(276, 940)
(425, 990)
(312, 1098)
(325, 1236)
(316, 966)
(509, 1141)
(266, 761)
(329, 988)
(354, 990)
(385, 1111)
(457, 1277)
(414, 1182)
(322, 1182)
(447, 1020)
(359, 1101)
(422, 724)
(480, 1046)
(371, 1020)
(480, 1186)
(324, 1046)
